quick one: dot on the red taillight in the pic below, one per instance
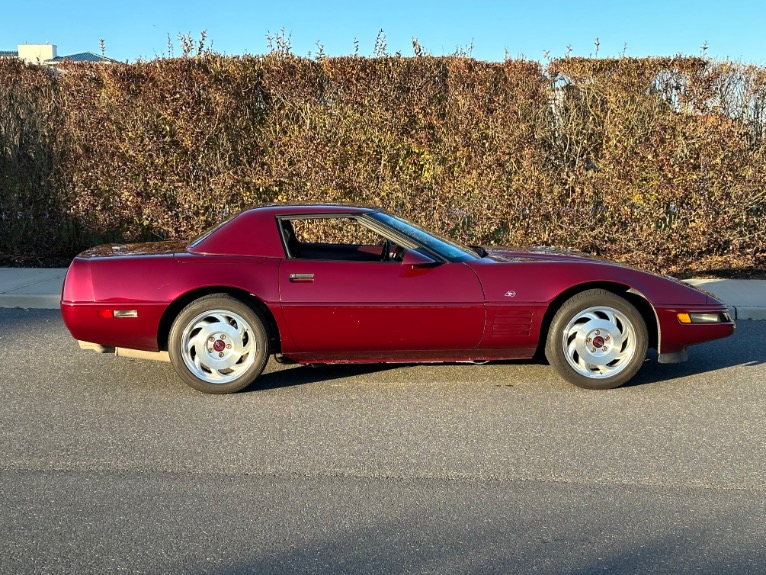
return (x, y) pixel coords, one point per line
(110, 313)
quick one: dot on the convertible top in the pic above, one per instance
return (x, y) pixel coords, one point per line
(236, 237)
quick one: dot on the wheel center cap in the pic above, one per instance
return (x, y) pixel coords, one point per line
(598, 341)
(219, 345)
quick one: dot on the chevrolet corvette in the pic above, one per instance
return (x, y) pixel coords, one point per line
(319, 284)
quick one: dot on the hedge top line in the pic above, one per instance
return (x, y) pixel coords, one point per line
(636, 159)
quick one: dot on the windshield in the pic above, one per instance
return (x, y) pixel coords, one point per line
(447, 249)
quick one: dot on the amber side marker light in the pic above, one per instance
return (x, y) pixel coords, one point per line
(703, 317)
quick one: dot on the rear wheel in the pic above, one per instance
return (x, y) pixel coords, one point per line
(218, 344)
(597, 340)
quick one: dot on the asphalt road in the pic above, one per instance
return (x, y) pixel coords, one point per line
(112, 465)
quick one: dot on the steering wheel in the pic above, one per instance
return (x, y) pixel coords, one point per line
(386, 255)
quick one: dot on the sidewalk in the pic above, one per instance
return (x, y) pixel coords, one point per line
(41, 289)
(747, 298)
(36, 288)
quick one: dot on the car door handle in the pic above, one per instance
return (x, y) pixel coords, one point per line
(301, 278)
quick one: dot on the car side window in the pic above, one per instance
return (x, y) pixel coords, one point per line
(335, 238)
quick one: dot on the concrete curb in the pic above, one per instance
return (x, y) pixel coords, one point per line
(36, 288)
(26, 301)
(749, 313)
(746, 298)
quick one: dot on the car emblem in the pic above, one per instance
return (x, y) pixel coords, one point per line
(510, 293)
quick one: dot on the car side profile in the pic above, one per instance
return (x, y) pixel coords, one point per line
(348, 284)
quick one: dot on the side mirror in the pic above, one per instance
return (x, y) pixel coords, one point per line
(415, 259)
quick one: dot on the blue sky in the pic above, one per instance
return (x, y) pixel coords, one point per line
(734, 29)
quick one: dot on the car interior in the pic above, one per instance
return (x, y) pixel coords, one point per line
(336, 239)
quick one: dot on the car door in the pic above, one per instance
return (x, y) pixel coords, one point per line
(381, 308)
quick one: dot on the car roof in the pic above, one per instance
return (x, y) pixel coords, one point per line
(255, 232)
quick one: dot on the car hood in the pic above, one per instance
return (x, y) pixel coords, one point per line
(644, 281)
(538, 253)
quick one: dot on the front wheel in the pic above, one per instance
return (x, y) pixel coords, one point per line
(597, 340)
(218, 344)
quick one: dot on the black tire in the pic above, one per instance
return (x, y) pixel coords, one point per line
(218, 344)
(597, 340)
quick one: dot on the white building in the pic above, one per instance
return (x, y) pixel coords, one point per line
(46, 54)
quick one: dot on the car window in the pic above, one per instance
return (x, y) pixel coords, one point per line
(336, 238)
(345, 231)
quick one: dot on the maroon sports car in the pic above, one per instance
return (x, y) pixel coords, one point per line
(342, 284)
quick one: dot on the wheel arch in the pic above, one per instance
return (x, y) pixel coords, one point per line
(635, 297)
(175, 307)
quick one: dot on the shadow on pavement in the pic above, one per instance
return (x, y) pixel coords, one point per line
(295, 375)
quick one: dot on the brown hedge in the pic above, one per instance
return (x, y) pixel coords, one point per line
(658, 162)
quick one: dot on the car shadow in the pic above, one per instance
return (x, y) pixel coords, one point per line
(745, 348)
(296, 375)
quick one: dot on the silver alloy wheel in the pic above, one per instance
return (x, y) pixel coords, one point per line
(218, 346)
(599, 342)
